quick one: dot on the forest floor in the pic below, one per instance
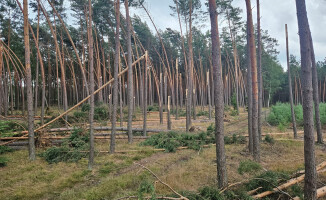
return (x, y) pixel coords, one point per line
(117, 175)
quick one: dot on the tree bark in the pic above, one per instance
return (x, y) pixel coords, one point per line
(130, 76)
(219, 103)
(315, 92)
(145, 95)
(115, 76)
(307, 97)
(249, 95)
(255, 135)
(31, 142)
(294, 124)
(91, 85)
(189, 72)
(259, 74)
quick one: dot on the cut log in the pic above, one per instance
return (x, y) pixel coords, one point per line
(289, 183)
(321, 192)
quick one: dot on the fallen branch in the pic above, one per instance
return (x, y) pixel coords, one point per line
(320, 193)
(175, 192)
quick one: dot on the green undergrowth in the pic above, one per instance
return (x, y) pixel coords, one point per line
(70, 150)
(170, 141)
(5, 149)
(249, 166)
(267, 180)
(3, 161)
(8, 128)
(280, 115)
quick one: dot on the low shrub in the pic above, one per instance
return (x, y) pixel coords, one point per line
(70, 150)
(248, 166)
(80, 115)
(172, 140)
(269, 139)
(5, 149)
(11, 126)
(85, 107)
(101, 112)
(235, 139)
(203, 113)
(152, 108)
(3, 161)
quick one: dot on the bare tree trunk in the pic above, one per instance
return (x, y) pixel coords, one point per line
(130, 76)
(189, 72)
(315, 93)
(1, 67)
(256, 145)
(177, 88)
(306, 77)
(259, 74)
(161, 99)
(31, 142)
(219, 103)
(91, 85)
(209, 97)
(290, 84)
(145, 95)
(168, 113)
(115, 76)
(249, 95)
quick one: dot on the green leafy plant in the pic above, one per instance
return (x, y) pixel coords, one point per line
(267, 180)
(4, 149)
(146, 187)
(70, 151)
(234, 139)
(269, 139)
(248, 166)
(3, 161)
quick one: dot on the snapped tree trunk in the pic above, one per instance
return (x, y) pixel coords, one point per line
(307, 97)
(219, 103)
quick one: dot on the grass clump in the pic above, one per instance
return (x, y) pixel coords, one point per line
(70, 151)
(269, 139)
(248, 166)
(3, 161)
(234, 139)
(146, 188)
(5, 149)
(296, 191)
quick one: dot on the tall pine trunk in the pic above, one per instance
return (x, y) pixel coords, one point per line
(294, 124)
(218, 96)
(130, 76)
(91, 85)
(252, 47)
(259, 74)
(31, 142)
(115, 75)
(307, 97)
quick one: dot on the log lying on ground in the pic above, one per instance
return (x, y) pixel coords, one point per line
(321, 192)
(289, 183)
(64, 137)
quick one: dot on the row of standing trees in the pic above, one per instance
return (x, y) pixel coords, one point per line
(209, 84)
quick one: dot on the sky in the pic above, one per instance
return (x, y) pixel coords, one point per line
(274, 15)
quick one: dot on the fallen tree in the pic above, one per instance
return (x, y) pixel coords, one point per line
(289, 183)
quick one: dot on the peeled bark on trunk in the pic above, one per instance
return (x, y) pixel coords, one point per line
(252, 47)
(115, 76)
(294, 124)
(169, 114)
(91, 85)
(219, 103)
(259, 74)
(31, 142)
(307, 97)
(315, 93)
(130, 76)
